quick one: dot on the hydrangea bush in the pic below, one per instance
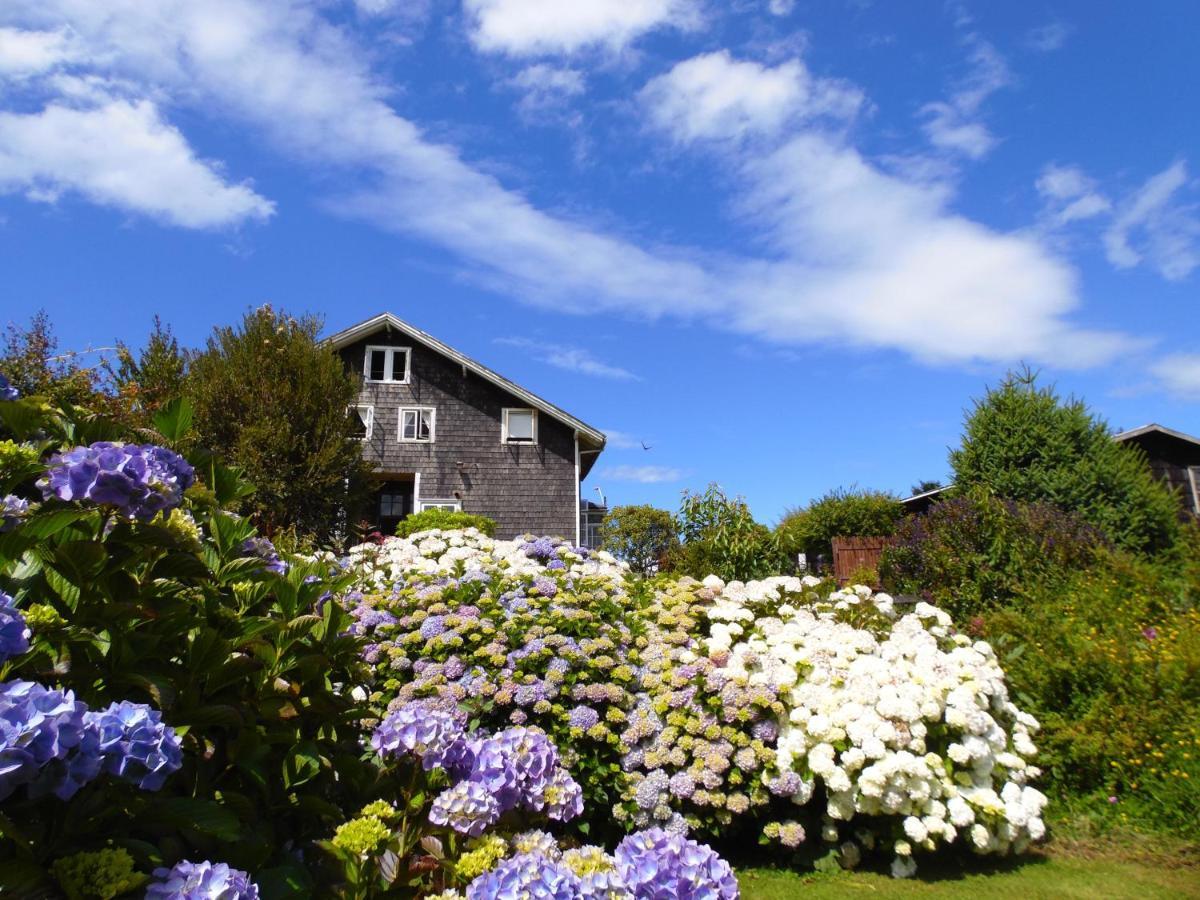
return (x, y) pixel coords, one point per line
(822, 721)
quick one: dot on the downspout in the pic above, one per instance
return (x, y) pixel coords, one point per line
(578, 535)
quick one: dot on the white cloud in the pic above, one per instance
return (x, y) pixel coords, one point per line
(121, 154)
(856, 256)
(547, 27)
(955, 125)
(1153, 224)
(642, 474)
(1046, 38)
(571, 359)
(1070, 195)
(24, 53)
(546, 88)
(1180, 374)
(781, 7)
(621, 440)
(715, 96)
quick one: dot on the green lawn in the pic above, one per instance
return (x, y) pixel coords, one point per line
(1057, 876)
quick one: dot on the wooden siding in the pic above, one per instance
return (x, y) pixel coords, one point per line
(1171, 459)
(524, 487)
(850, 554)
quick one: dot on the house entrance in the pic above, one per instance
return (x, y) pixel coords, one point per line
(393, 503)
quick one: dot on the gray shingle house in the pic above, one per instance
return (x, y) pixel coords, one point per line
(442, 430)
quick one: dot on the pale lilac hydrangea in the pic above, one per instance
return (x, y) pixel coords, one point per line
(422, 728)
(527, 876)
(201, 881)
(263, 549)
(468, 807)
(14, 633)
(139, 481)
(655, 864)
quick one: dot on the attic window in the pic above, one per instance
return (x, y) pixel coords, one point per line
(519, 426)
(417, 423)
(363, 421)
(387, 364)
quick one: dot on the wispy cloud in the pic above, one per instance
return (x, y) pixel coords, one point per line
(621, 440)
(546, 89)
(1180, 374)
(1154, 224)
(956, 124)
(571, 359)
(1049, 37)
(715, 96)
(642, 474)
(1070, 195)
(546, 27)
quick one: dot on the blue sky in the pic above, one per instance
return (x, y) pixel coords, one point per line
(783, 243)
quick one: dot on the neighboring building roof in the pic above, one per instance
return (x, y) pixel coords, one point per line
(1153, 428)
(385, 320)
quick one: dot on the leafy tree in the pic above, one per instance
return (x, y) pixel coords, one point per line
(840, 513)
(148, 381)
(32, 363)
(272, 401)
(640, 535)
(1025, 443)
(720, 537)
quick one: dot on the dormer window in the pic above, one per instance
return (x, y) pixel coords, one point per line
(519, 426)
(387, 364)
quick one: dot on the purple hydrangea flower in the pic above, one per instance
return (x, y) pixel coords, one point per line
(44, 741)
(14, 633)
(201, 881)
(138, 480)
(560, 797)
(656, 864)
(526, 876)
(423, 728)
(583, 717)
(136, 745)
(12, 510)
(556, 564)
(264, 550)
(542, 548)
(433, 626)
(7, 391)
(468, 807)
(545, 586)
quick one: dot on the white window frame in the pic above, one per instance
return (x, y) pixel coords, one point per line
(418, 410)
(504, 413)
(370, 417)
(389, 364)
(452, 503)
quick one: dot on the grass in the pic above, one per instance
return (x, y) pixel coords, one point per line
(1068, 869)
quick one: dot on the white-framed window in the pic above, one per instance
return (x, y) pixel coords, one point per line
(363, 416)
(448, 505)
(387, 364)
(417, 423)
(518, 426)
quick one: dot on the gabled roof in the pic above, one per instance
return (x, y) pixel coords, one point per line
(386, 320)
(933, 492)
(1153, 428)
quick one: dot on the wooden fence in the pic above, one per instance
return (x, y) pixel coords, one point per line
(851, 554)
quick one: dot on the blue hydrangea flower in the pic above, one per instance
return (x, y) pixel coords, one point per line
(264, 550)
(545, 586)
(7, 391)
(12, 510)
(656, 864)
(542, 548)
(14, 633)
(201, 881)
(44, 741)
(527, 876)
(560, 797)
(137, 746)
(425, 729)
(138, 480)
(583, 717)
(468, 808)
